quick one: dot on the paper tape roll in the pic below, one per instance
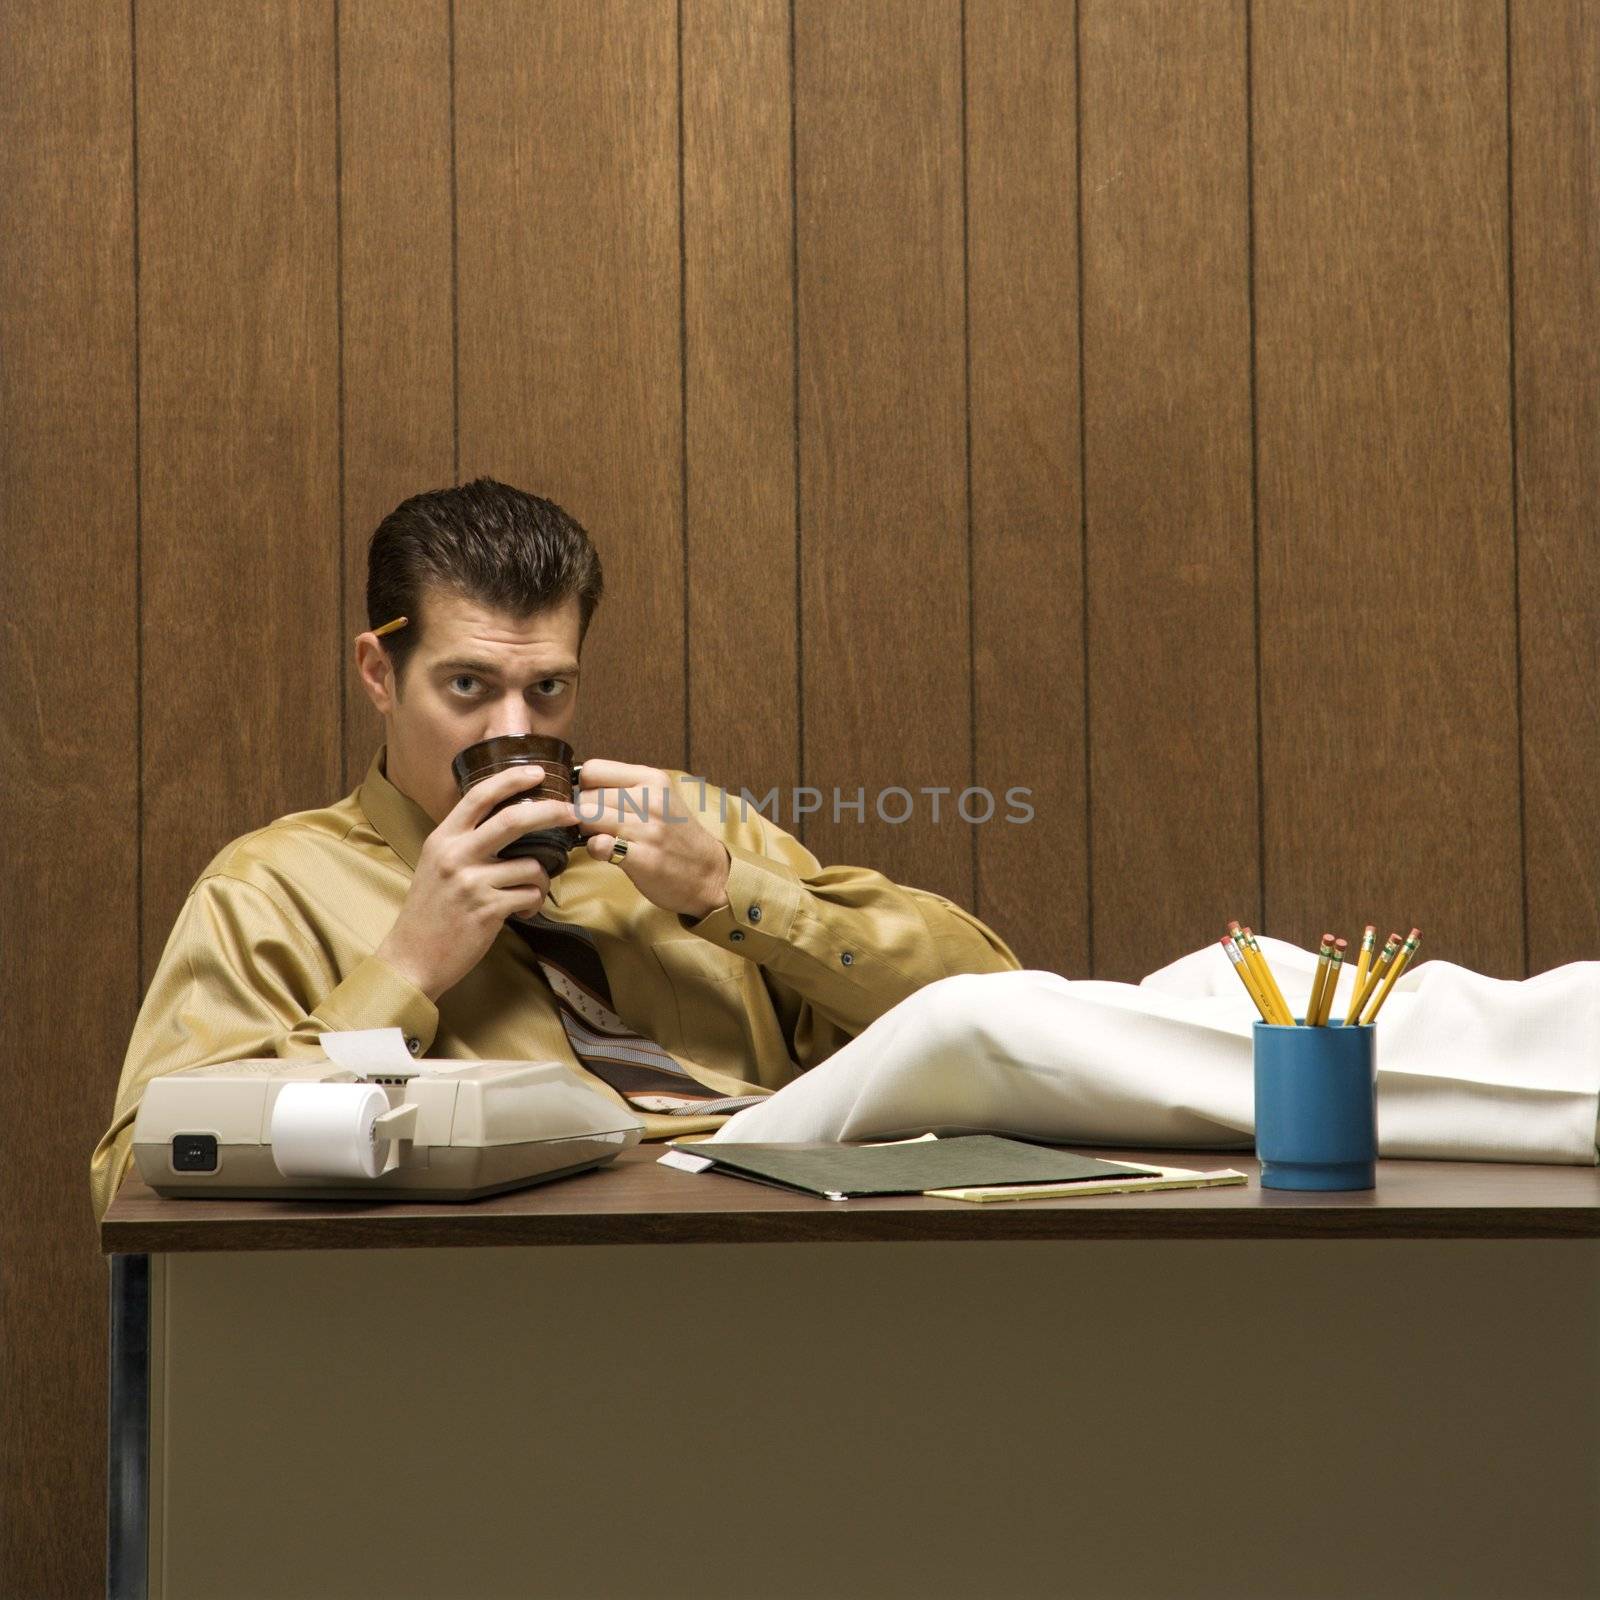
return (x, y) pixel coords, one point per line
(325, 1130)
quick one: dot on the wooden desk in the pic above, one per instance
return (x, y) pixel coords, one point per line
(1215, 1392)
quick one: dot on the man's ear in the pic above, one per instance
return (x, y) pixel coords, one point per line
(376, 672)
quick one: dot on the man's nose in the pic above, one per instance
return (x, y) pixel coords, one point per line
(512, 717)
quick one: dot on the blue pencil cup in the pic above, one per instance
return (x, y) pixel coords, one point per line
(1317, 1106)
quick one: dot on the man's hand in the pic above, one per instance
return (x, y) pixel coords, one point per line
(672, 859)
(461, 895)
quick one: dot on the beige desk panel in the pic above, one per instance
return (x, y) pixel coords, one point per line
(1285, 1420)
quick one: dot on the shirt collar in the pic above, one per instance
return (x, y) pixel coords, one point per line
(404, 825)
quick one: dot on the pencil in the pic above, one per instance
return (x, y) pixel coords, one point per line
(1391, 948)
(1259, 990)
(1314, 1004)
(1235, 934)
(1401, 962)
(389, 627)
(1244, 976)
(1368, 938)
(1268, 983)
(1332, 985)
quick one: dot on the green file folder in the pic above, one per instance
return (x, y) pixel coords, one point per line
(836, 1171)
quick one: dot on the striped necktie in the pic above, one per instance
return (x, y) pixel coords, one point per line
(635, 1066)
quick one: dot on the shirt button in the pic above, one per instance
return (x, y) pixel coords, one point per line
(846, 958)
(735, 934)
(755, 913)
(414, 1045)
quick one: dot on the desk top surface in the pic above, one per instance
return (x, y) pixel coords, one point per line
(635, 1200)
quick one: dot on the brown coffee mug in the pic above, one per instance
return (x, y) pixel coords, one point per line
(548, 846)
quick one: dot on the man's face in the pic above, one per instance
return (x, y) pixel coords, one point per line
(476, 674)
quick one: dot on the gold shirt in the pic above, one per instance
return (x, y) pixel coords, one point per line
(274, 946)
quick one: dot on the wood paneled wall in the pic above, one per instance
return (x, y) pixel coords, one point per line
(1188, 410)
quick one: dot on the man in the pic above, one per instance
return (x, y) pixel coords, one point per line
(691, 958)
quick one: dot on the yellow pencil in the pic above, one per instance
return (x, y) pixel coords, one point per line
(1244, 976)
(1368, 938)
(1380, 967)
(1332, 985)
(1236, 936)
(389, 627)
(1236, 933)
(1268, 983)
(1401, 962)
(1324, 958)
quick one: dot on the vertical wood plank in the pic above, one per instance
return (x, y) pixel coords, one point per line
(1171, 558)
(1555, 142)
(1387, 610)
(239, 429)
(739, 394)
(398, 345)
(884, 553)
(1027, 508)
(571, 384)
(68, 753)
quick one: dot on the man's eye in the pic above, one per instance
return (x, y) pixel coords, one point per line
(551, 687)
(460, 678)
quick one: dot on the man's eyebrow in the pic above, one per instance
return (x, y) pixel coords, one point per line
(488, 669)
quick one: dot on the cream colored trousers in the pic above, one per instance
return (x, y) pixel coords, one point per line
(1469, 1068)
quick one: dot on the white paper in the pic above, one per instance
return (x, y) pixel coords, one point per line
(328, 1130)
(683, 1161)
(369, 1050)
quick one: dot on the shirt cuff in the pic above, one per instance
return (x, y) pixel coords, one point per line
(374, 995)
(764, 897)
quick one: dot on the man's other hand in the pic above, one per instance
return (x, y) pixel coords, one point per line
(672, 858)
(461, 893)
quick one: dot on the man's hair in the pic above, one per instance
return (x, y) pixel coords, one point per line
(492, 543)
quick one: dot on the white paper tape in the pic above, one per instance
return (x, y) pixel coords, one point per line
(325, 1130)
(366, 1049)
